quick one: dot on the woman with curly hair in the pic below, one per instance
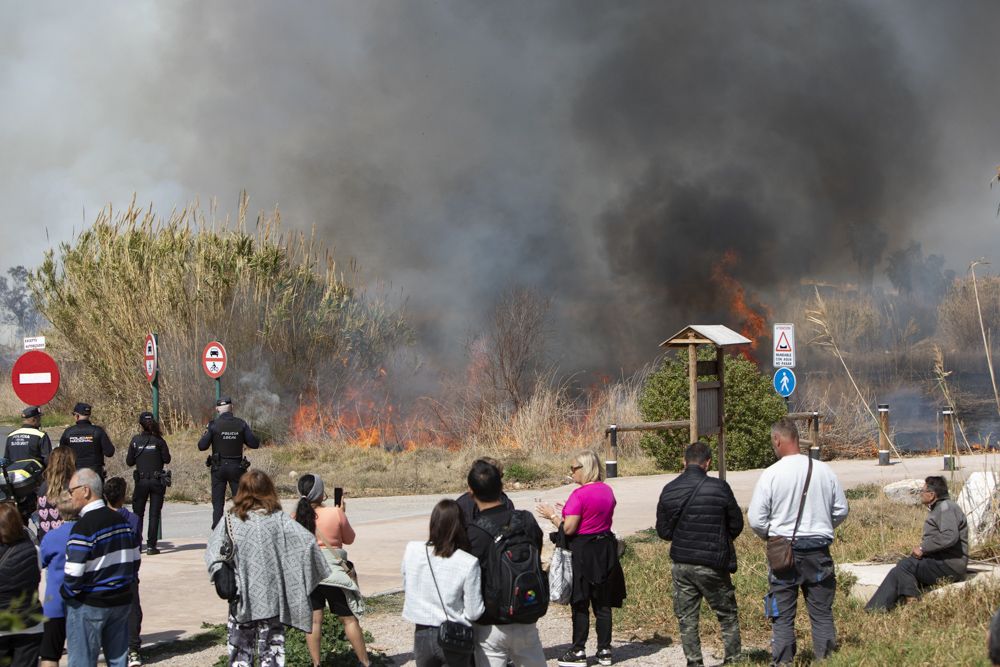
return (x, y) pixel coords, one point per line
(62, 465)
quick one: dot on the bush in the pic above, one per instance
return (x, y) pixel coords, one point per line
(751, 406)
(285, 315)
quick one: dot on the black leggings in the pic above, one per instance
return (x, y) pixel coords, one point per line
(152, 490)
(581, 623)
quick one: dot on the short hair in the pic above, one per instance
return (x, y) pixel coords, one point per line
(114, 490)
(786, 428)
(591, 469)
(256, 491)
(496, 463)
(447, 531)
(697, 453)
(67, 510)
(11, 525)
(938, 485)
(485, 481)
(90, 479)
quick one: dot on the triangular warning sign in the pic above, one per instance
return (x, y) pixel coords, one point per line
(783, 345)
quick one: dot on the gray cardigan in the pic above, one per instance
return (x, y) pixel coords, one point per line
(946, 536)
(277, 566)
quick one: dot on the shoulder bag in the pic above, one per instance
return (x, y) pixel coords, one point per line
(452, 635)
(780, 558)
(225, 577)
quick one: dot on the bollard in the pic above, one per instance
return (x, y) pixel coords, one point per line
(947, 418)
(611, 464)
(883, 434)
(814, 436)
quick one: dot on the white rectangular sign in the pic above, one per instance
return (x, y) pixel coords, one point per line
(35, 378)
(784, 345)
(34, 343)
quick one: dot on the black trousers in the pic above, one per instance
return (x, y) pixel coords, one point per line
(581, 623)
(153, 491)
(20, 650)
(227, 473)
(908, 579)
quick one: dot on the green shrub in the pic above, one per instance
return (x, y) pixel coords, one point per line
(521, 472)
(751, 406)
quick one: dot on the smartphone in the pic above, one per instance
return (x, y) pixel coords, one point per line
(338, 495)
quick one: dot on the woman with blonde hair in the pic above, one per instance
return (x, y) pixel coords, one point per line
(277, 566)
(62, 465)
(598, 580)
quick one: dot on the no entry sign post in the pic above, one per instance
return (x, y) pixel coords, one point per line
(214, 362)
(35, 377)
(151, 366)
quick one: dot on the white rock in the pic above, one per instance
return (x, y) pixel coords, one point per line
(904, 492)
(978, 500)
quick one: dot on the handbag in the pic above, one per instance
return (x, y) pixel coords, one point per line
(561, 572)
(780, 558)
(225, 577)
(452, 635)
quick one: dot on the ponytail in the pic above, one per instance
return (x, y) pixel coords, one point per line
(305, 514)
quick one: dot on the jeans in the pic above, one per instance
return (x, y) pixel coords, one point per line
(518, 643)
(907, 579)
(814, 575)
(428, 653)
(691, 584)
(581, 624)
(135, 620)
(89, 629)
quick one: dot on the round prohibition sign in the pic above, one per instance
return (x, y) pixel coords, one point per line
(214, 360)
(35, 377)
(149, 358)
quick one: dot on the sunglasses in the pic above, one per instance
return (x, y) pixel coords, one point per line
(575, 468)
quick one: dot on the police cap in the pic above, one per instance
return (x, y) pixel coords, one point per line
(225, 400)
(145, 417)
(82, 409)
(31, 411)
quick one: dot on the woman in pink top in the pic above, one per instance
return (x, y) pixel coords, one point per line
(332, 531)
(598, 580)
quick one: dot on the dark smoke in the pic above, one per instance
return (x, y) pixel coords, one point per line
(605, 154)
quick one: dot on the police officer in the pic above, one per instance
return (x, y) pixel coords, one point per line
(90, 443)
(148, 452)
(227, 434)
(29, 441)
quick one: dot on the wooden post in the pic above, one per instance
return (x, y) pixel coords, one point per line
(720, 362)
(814, 450)
(947, 419)
(883, 434)
(693, 388)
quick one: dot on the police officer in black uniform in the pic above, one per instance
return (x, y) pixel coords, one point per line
(227, 434)
(148, 452)
(90, 443)
(29, 441)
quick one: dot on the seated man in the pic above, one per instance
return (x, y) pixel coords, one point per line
(943, 552)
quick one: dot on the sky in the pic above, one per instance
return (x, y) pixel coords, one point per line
(606, 155)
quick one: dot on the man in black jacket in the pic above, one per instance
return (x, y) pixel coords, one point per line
(698, 514)
(227, 435)
(89, 442)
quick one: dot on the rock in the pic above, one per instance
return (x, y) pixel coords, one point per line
(979, 502)
(904, 492)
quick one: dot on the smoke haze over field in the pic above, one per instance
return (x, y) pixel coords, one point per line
(605, 154)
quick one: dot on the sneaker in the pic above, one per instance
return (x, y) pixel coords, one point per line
(133, 659)
(604, 656)
(573, 658)
(151, 551)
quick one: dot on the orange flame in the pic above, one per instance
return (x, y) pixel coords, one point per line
(752, 314)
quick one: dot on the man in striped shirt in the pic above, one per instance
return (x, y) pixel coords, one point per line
(101, 559)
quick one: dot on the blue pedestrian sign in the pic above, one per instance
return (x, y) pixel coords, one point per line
(784, 382)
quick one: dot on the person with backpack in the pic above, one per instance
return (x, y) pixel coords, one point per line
(598, 580)
(508, 544)
(700, 518)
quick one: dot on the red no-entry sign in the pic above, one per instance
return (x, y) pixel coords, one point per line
(35, 377)
(149, 353)
(213, 360)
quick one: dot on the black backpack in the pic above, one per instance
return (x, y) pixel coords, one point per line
(515, 590)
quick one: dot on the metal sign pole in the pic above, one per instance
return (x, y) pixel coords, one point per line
(218, 388)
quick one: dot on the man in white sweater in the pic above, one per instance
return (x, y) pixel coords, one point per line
(773, 511)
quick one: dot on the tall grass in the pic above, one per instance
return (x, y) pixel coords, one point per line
(291, 322)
